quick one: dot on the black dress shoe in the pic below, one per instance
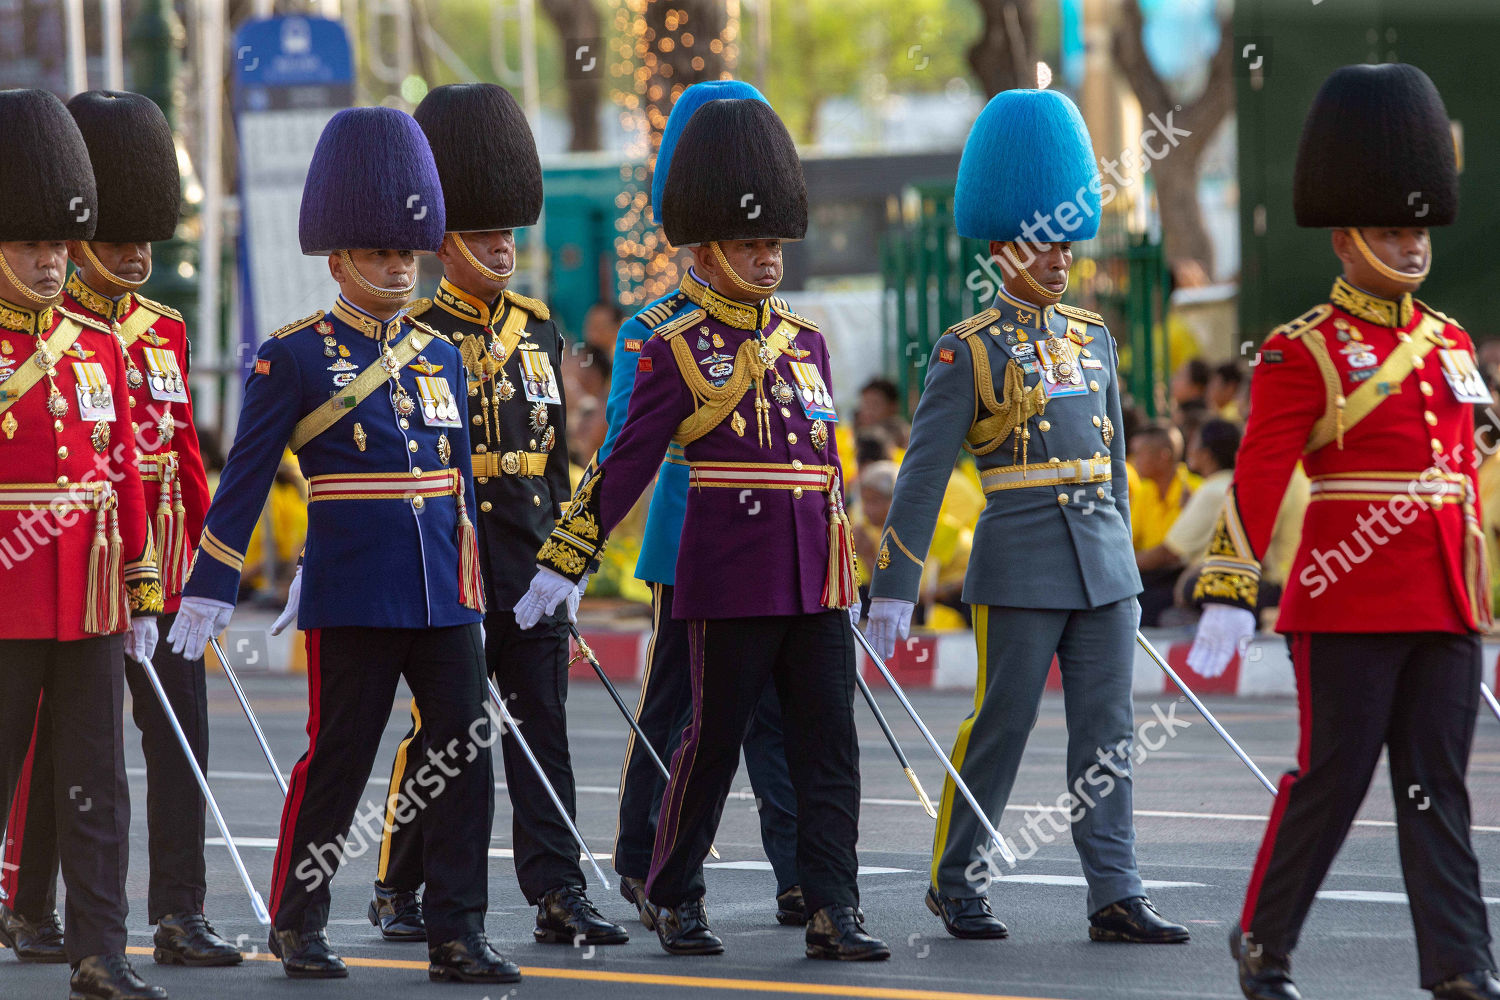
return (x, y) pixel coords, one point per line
(189, 939)
(110, 977)
(634, 891)
(307, 955)
(1135, 921)
(398, 915)
(838, 933)
(967, 918)
(683, 929)
(565, 916)
(790, 911)
(39, 941)
(1263, 975)
(1478, 985)
(470, 959)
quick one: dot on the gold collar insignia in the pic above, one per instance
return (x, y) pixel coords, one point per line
(740, 315)
(1019, 313)
(463, 305)
(108, 309)
(23, 320)
(366, 324)
(1372, 308)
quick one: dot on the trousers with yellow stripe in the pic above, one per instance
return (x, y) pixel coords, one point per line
(1094, 648)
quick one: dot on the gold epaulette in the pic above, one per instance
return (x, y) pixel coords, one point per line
(419, 307)
(780, 308)
(1080, 313)
(680, 323)
(536, 307)
(429, 330)
(963, 328)
(661, 312)
(1307, 321)
(1439, 314)
(82, 320)
(158, 308)
(299, 324)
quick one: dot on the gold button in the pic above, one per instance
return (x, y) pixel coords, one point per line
(536, 501)
(131, 401)
(1044, 425)
(416, 473)
(1094, 385)
(482, 480)
(1426, 388)
(1062, 498)
(404, 423)
(1097, 421)
(62, 451)
(1431, 418)
(786, 414)
(411, 446)
(457, 335)
(1085, 353)
(480, 449)
(473, 393)
(1100, 491)
(1418, 363)
(796, 493)
(478, 420)
(1097, 455)
(133, 426)
(485, 506)
(532, 444)
(1437, 446)
(62, 480)
(791, 437)
(1404, 337)
(417, 503)
(57, 425)
(797, 464)
(1055, 461)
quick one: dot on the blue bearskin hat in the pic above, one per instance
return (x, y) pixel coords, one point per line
(47, 180)
(486, 156)
(372, 185)
(1028, 154)
(687, 102)
(1376, 150)
(135, 161)
(735, 175)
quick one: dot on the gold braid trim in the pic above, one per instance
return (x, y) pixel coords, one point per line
(1008, 417)
(711, 406)
(575, 539)
(1231, 572)
(145, 596)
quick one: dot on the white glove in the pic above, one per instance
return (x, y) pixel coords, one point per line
(575, 597)
(198, 620)
(854, 613)
(140, 643)
(548, 589)
(1222, 631)
(890, 619)
(288, 614)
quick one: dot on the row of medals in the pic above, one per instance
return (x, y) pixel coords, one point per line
(345, 372)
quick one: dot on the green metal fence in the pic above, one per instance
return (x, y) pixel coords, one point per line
(933, 278)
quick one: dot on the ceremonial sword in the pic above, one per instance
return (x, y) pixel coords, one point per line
(885, 726)
(239, 693)
(1489, 696)
(256, 903)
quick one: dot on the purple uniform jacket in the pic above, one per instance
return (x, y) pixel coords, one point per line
(757, 543)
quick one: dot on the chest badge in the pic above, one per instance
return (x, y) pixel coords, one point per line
(817, 401)
(538, 379)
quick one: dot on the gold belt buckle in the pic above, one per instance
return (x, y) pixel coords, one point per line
(510, 463)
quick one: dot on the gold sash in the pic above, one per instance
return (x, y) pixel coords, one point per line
(63, 336)
(335, 409)
(1343, 412)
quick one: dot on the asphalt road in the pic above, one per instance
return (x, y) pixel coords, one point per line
(1199, 812)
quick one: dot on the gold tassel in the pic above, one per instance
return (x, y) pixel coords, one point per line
(1338, 420)
(470, 585)
(840, 583)
(163, 526)
(181, 559)
(114, 575)
(94, 594)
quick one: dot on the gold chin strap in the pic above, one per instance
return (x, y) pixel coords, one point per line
(88, 253)
(375, 290)
(1385, 269)
(1032, 283)
(31, 294)
(734, 277)
(484, 271)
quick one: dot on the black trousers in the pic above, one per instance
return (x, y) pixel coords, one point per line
(81, 688)
(811, 660)
(530, 668)
(663, 712)
(1417, 695)
(351, 678)
(174, 806)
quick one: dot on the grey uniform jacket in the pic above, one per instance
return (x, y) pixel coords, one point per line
(1055, 531)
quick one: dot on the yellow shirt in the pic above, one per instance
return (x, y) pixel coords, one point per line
(1151, 513)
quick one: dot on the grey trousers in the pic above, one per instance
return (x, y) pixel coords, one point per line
(1095, 653)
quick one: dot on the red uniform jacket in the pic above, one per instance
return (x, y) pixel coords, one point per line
(1369, 394)
(75, 545)
(161, 410)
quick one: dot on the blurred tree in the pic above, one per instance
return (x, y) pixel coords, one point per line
(1004, 56)
(1176, 175)
(579, 26)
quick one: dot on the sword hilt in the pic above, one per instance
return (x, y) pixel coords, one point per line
(916, 785)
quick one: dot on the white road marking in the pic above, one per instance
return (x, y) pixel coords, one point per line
(765, 866)
(1370, 896)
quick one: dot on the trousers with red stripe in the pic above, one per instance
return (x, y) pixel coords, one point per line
(352, 674)
(1416, 694)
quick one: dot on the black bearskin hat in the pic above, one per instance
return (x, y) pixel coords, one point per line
(46, 183)
(486, 156)
(135, 165)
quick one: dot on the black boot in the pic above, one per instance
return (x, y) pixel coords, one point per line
(565, 916)
(189, 939)
(1135, 921)
(110, 977)
(683, 929)
(1478, 985)
(307, 955)
(790, 911)
(1263, 975)
(39, 941)
(470, 959)
(967, 918)
(838, 932)
(398, 915)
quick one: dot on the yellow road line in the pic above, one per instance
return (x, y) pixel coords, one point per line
(686, 982)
